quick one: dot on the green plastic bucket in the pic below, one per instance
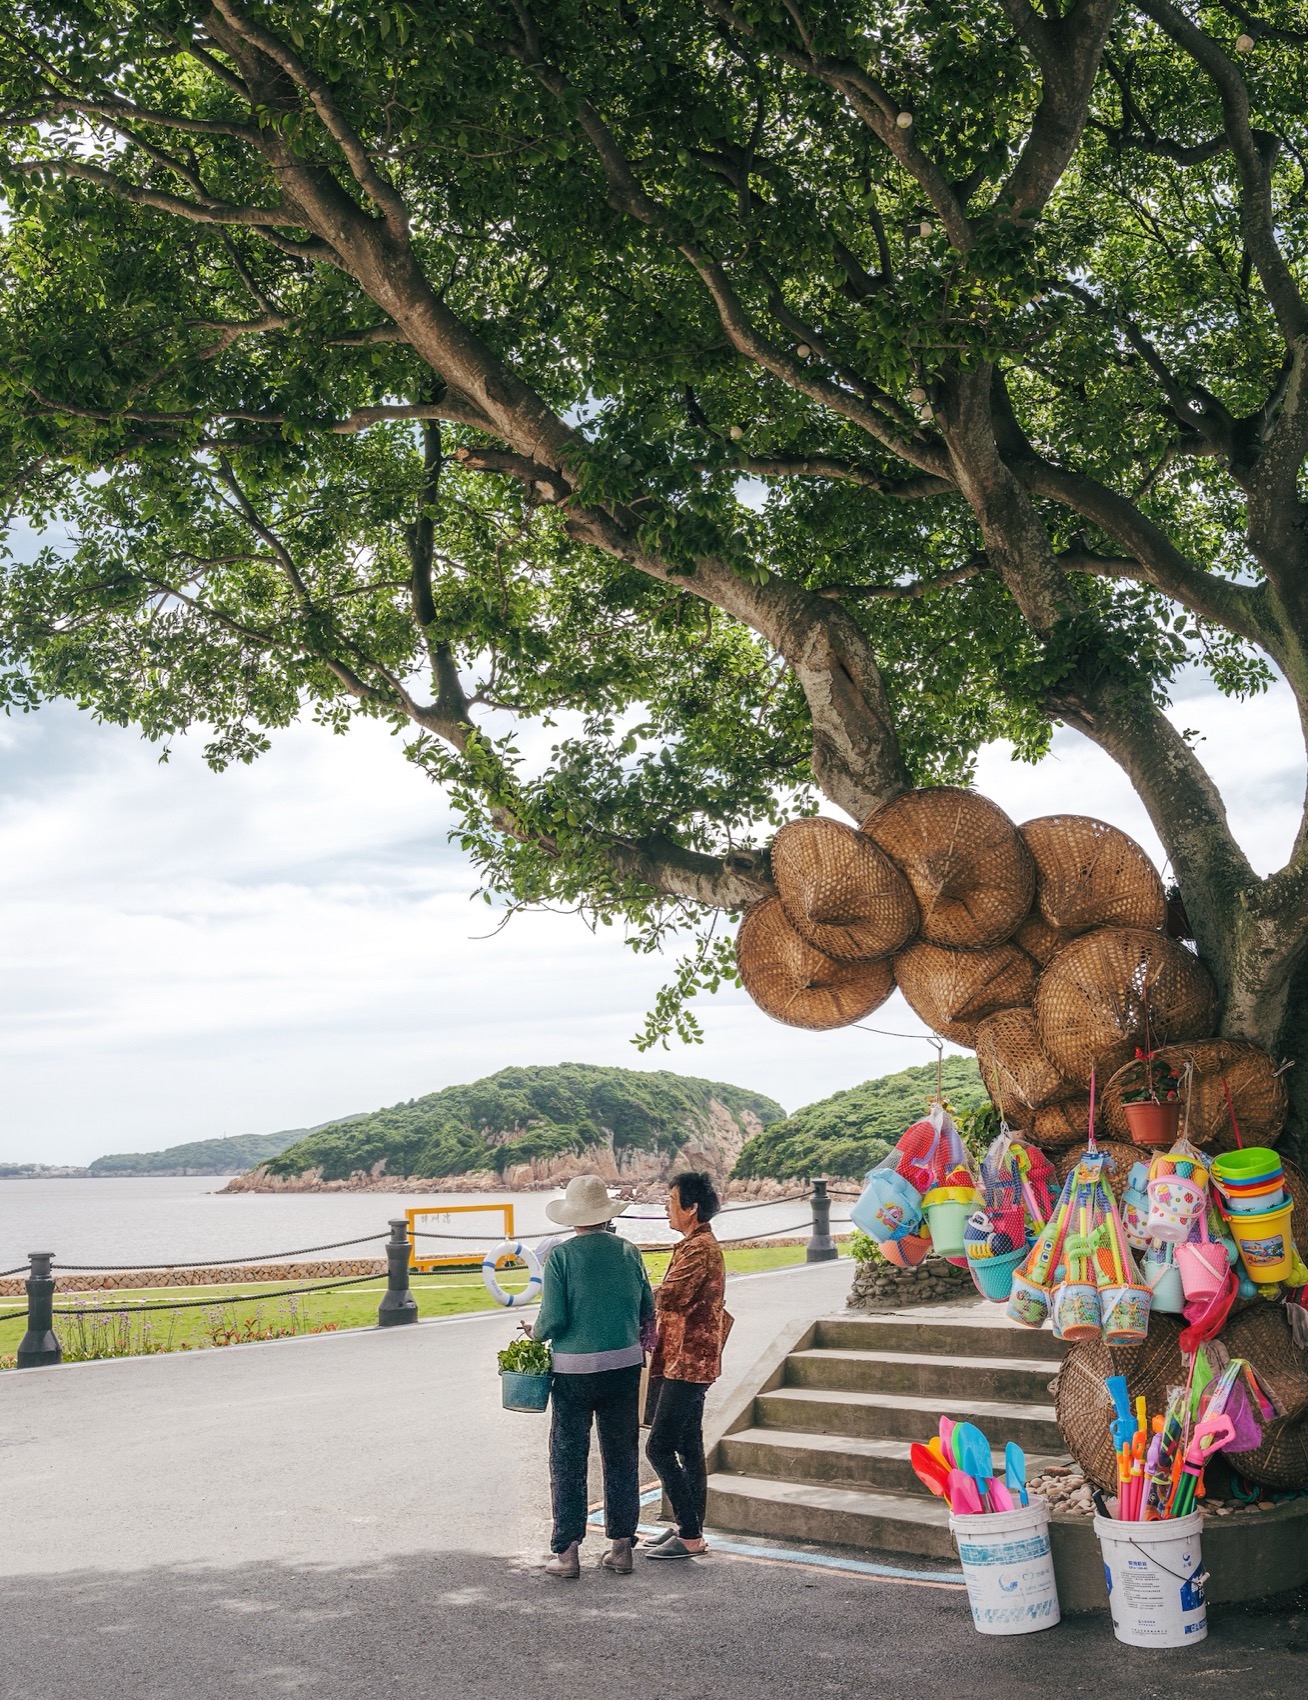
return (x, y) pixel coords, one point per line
(1251, 1163)
(524, 1392)
(947, 1222)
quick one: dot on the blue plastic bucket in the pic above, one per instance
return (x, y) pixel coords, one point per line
(524, 1392)
(993, 1276)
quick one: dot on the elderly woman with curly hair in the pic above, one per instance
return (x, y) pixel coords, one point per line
(692, 1330)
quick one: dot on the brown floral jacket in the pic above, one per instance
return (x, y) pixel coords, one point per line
(693, 1325)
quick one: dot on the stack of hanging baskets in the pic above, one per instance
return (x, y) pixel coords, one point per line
(1042, 947)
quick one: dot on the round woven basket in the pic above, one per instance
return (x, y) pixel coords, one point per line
(1297, 1187)
(1056, 1126)
(840, 891)
(1258, 1094)
(1124, 1158)
(1038, 939)
(1083, 1407)
(1102, 991)
(969, 868)
(952, 990)
(1261, 1333)
(1014, 1066)
(1088, 874)
(792, 982)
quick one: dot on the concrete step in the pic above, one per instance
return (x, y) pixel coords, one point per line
(979, 1330)
(839, 1370)
(838, 1516)
(789, 1455)
(905, 1416)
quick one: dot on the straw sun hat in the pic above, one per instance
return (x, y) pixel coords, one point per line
(792, 982)
(585, 1204)
(840, 891)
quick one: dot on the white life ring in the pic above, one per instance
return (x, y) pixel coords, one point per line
(511, 1248)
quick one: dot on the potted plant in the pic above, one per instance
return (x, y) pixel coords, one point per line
(526, 1370)
(1151, 1099)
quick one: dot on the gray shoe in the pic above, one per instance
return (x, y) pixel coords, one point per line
(674, 1547)
(618, 1557)
(658, 1540)
(566, 1565)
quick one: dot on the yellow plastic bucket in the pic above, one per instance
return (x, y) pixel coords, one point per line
(1265, 1242)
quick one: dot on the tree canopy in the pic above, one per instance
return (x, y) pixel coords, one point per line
(770, 402)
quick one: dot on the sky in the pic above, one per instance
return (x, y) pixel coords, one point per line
(185, 955)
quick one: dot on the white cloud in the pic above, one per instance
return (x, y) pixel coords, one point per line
(185, 955)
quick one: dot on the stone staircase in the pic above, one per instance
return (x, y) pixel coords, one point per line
(819, 1450)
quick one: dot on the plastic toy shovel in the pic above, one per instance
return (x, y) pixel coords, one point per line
(972, 1454)
(928, 1469)
(947, 1441)
(1015, 1471)
(963, 1496)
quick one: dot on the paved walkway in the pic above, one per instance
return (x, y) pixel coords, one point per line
(354, 1516)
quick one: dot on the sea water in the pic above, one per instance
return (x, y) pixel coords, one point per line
(178, 1219)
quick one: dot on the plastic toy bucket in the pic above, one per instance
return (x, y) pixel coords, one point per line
(1028, 1301)
(1155, 1578)
(1009, 1569)
(1266, 1248)
(888, 1207)
(1250, 1163)
(1174, 1204)
(1125, 1312)
(947, 1218)
(993, 1276)
(1076, 1313)
(1253, 1203)
(1204, 1267)
(520, 1392)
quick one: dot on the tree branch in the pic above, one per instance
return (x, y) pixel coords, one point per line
(1254, 152)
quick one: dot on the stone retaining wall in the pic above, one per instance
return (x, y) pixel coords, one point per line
(881, 1286)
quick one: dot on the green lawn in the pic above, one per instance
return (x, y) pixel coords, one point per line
(231, 1314)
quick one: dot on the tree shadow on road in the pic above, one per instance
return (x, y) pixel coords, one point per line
(463, 1626)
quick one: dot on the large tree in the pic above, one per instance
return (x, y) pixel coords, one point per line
(783, 399)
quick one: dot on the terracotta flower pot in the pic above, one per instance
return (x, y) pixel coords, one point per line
(1153, 1124)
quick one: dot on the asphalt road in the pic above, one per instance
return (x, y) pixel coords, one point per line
(355, 1516)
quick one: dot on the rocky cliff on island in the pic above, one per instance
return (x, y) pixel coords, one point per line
(530, 1129)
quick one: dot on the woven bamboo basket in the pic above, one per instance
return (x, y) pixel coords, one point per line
(840, 891)
(969, 868)
(1081, 1402)
(1014, 1065)
(1089, 874)
(1056, 1126)
(952, 990)
(1258, 1094)
(792, 982)
(1039, 940)
(1261, 1333)
(1105, 991)
(1124, 1157)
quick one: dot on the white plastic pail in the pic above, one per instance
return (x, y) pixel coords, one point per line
(1155, 1577)
(1009, 1569)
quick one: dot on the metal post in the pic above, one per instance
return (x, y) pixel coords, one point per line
(398, 1303)
(39, 1345)
(821, 1247)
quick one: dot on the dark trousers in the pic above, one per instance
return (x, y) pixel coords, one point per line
(612, 1397)
(676, 1450)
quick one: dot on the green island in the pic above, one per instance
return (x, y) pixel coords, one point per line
(528, 1115)
(846, 1134)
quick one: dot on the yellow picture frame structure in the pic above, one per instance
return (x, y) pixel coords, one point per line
(423, 1265)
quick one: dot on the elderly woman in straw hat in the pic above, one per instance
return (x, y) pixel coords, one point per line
(595, 1299)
